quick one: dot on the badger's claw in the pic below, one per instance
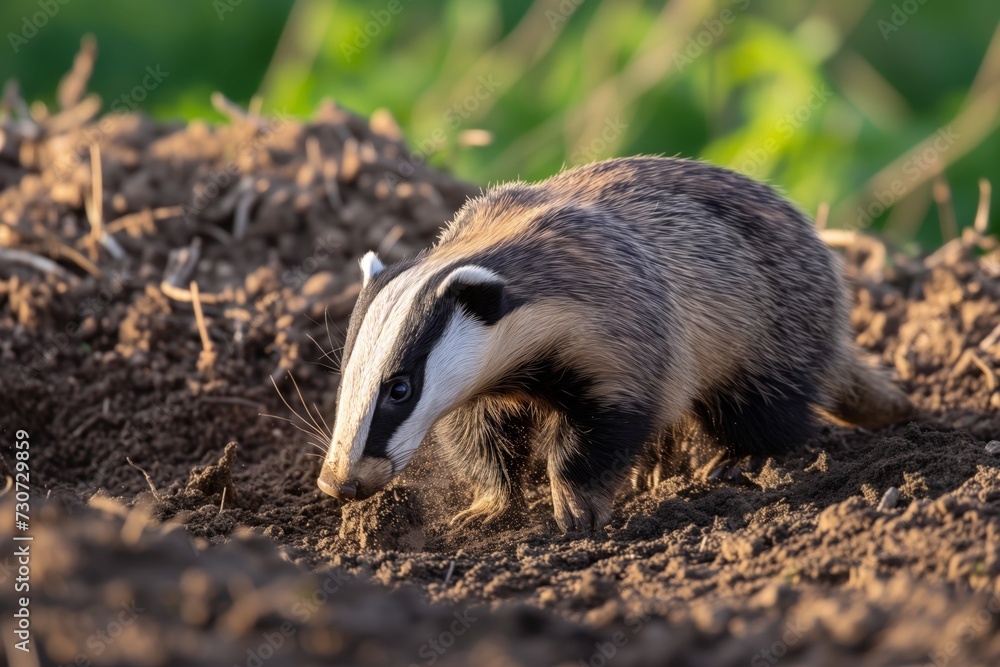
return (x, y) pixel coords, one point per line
(483, 516)
(575, 512)
(647, 478)
(733, 470)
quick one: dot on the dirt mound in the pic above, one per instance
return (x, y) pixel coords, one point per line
(864, 548)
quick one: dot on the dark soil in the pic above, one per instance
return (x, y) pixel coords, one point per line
(869, 548)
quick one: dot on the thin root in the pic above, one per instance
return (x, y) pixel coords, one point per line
(149, 480)
(37, 262)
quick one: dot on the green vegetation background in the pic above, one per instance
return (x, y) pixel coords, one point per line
(829, 100)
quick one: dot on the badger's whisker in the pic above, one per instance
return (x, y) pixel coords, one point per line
(315, 444)
(322, 419)
(334, 365)
(329, 336)
(327, 320)
(328, 367)
(311, 433)
(326, 354)
(306, 405)
(292, 410)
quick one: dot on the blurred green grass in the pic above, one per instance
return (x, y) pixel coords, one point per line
(828, 100)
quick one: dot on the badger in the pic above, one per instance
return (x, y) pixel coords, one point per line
(582, 320)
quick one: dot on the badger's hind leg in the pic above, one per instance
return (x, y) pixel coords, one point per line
(864, 396)
(488, 443)
(757, 417)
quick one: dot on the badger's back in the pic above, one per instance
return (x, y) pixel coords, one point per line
(691, 276)
(599, 316)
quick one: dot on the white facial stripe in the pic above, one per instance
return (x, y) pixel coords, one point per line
(452, 369)
(377, 340)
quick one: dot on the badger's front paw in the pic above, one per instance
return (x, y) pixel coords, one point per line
(734, 470)
(578, 511)
(490, 515)
(649, 470)
(647, 475)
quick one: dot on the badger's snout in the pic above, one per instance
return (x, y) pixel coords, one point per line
(344, 491)
(364, 479)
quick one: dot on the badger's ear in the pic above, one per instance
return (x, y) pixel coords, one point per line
(478, 290)
(370, 266)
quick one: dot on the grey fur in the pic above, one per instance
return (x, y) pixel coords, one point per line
(678, 291)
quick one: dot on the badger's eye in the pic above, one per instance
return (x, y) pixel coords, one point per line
(399, 390)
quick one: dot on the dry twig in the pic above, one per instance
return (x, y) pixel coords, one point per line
(74, 83)
(74, 255)
(95, 212)
(149, 480)
(971, 358)
(946, 208)
(37, 262)
(982, 221)
(822, 215)
(844, 238)
(184, 295)
(142, 221)
(207, 357)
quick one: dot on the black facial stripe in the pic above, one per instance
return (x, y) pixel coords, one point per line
(422, 330)
(424, 325)
(377, 283)
(425, 322)
(387, 417)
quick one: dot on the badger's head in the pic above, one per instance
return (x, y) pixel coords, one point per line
(417, 346)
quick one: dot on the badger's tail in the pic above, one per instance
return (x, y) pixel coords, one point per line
(865, 396)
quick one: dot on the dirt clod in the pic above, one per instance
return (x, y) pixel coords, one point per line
(216, 479)
(392, 520)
